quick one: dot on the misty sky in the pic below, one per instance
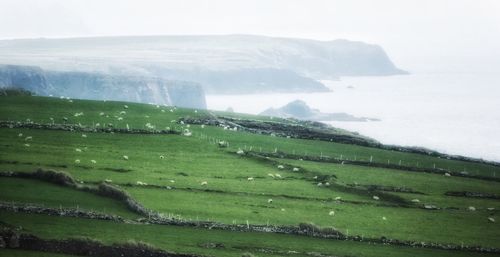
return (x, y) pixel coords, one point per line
(415, 33)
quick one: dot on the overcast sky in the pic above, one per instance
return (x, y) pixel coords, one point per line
(412, 31)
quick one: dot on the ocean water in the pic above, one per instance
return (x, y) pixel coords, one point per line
(455, 113)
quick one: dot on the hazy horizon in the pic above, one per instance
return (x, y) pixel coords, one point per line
(417, 35)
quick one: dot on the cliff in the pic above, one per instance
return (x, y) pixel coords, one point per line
(98, 86)
(220, 63)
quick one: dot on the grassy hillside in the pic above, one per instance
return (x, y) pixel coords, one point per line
(260, 193)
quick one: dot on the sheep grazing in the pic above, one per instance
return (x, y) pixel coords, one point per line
(240, 152)
(338, 198)
(491, 219)
(471, 208)
(281, 167)
(171, 110)
(77, 161)
(320, 184)
(78, 114)
(315, 177)
(172, 181)
(123, 112)
(162, 157)
(282, 209)
(20, 135)
(29, 138)
(415, 200)
(187, 133)
(108, 180)
(93, 161)
(162, 110)
(78, 150)
(119, 118)
(384, 218)
(125, 157)
(447, 174)
(250, 179)
(296, 169)
(331, 213)
(490, 209)
(202, 125)
(101, 114)
(271, 175)
(27, 145)
(181, 122)
(269, 200)
(188, 126)
(140, 183)
(125, 106)
(204, 183)
(277, 175)
(222, 144)
(84, 135)
(376, 198)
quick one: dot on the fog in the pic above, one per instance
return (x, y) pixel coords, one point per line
(451, 48)
(418, 35)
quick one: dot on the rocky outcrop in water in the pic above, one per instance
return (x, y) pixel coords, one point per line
(300, 110)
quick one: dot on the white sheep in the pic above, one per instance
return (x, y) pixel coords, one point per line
(327, 183)
(204, 183)
(490, 209)
(29, 138)
(250, 179)
(172, 181)
(27, 145)
(77, 161)
(471, 208)
(315, 177)
(491, 219)
(108, 180)
(125, 106)
(101, 114)
(202, 125)
(119, 118)
(78, 150)
(338, 198)
(271, 175)
(320, 184)
(140, 183)
(187, 133)
(84, 136)
(162, 157)
(277, 175)
(93, 161)
(376, 198)
(125, 157)
(269, 200)
(281, 167)
(415, 200)
(331, 213)
(296, 169)
(123, 112)
(447, 174)
(20, 135)
(240, 152)
(384, 218)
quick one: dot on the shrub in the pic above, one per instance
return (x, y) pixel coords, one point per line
(13, 91)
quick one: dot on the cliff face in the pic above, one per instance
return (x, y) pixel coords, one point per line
(224, 64)
(103, 87)
(26, 77)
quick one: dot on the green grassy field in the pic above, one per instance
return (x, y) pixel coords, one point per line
(192, 178)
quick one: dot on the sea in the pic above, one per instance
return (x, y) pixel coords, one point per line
(454, 113)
